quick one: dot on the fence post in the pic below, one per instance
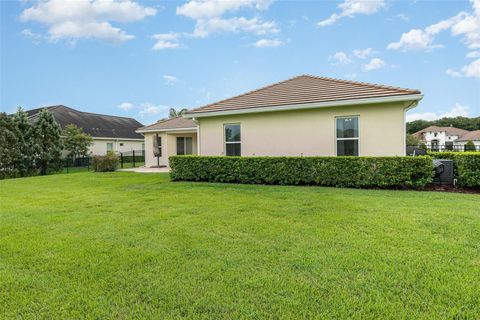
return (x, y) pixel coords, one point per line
(121, 160)
(133, 158)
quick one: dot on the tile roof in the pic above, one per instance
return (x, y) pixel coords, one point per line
(304, 89)
(471, 135)
(174, 123)
(96, 125)
(449, 130)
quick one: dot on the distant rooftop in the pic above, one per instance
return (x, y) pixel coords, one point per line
(96, 125)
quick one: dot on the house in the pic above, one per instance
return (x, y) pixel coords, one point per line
(434, 136)
(440, 138)
(473, 136)
(301, 116)
(109, 133)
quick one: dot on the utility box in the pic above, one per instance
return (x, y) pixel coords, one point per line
(443, 171)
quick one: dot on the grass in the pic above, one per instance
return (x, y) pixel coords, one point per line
(126, 245)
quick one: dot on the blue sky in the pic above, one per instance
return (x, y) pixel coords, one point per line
(138, 58)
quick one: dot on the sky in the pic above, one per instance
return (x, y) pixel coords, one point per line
(140, 58)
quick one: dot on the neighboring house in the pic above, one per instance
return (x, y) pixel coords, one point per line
(439, 138)
(473, 136)
(109, 133)
(302, 116)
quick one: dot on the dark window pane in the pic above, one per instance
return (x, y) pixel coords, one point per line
(232, 133)
(180, 146)
(347, 147)
(347, 127)
(188, 145)
(233, 149)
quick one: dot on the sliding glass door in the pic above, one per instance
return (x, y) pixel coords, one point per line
(184, 145)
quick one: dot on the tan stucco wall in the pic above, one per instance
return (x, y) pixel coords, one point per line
(169, 147)
(99, 146)
(308, 132)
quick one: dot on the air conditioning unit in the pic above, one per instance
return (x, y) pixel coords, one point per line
(443, 171)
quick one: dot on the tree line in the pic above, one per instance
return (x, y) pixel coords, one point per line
(465, 123)
(28, 149)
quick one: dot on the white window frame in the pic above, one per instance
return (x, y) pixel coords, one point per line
(225, 142)
(357, 138)
(184, 145)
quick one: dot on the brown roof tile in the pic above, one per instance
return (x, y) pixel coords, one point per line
(174, 123)
(449, 130)
(304, 89)
(471, 135)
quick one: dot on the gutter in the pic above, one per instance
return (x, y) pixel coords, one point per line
(166, 130)
(350, 102)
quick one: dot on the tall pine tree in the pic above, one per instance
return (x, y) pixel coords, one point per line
(9, 151)
(76, 142)
(26, 144)
(47, 136)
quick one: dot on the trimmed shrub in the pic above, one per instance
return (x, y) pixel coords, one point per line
(466, 166)
(108, 162)
(356, 172)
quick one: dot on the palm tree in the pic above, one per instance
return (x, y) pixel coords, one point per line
(173, 113)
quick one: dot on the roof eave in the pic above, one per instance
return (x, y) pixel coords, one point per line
(398, 98)
(166, 130)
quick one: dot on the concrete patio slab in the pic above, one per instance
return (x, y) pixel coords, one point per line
(146, 170)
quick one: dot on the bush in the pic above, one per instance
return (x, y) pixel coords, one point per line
(466, 166)
(470, 146)
(354, 172)
(109, 162)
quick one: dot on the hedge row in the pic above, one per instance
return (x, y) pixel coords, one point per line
(466, 166)
(356, 172)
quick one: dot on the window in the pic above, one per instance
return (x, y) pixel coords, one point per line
(347, 136)
(232, 140)
(184, 145)
(157, 145)
(109, 146)
(121, 144)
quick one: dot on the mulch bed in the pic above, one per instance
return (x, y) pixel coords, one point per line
(450, 188)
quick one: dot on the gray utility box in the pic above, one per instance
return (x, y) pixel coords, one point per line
(443, 171)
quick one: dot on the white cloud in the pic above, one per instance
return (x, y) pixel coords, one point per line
(471, 70)
(204, 28)
(453, 73)
(166, 41)
(209, 17)
(89, 19)
(169, 79)
(206, 9)
(374, 64)
(473, 54)
(463, 24)
(265, 43)
(403, 17)
(350, 8)
(35, 37)
(457, 111)
(342, 57)
(363, 54)
(150, 109)
(125, 106)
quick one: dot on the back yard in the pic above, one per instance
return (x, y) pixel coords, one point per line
(126, 245)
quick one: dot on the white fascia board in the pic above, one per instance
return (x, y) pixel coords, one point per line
(116, 139)
(167, 130)
(350, 102)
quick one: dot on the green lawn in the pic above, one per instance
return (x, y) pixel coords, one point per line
(126, 245)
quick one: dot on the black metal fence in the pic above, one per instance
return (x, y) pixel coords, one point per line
(129, 159)
(448, 148)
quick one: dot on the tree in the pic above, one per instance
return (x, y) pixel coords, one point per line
(412, 140)
(9, 150)
(173, 113)
(76, 142)
(470, 146)
(47, 136)
(26, 145)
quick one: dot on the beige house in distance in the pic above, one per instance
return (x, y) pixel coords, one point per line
(301, 116)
